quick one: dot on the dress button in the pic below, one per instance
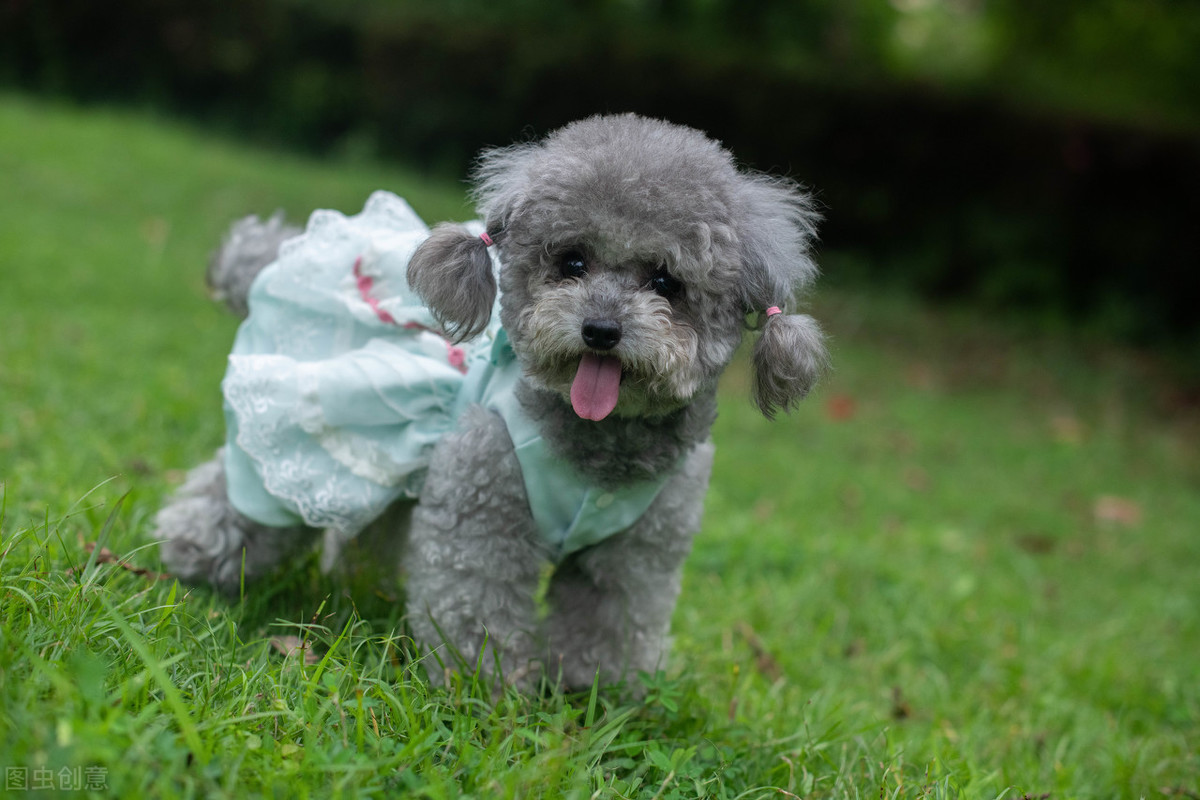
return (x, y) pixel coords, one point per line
(605, 500)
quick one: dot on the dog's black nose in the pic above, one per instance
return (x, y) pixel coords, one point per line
(601, 334)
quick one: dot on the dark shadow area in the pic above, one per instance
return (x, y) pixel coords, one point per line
(1040, 159)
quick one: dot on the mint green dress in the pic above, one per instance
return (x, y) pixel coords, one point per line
(339, 386)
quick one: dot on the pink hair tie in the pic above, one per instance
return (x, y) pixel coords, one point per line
(487, 240)
(772, 311)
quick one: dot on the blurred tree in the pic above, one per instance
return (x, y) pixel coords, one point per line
(993, 148)
(1131, 60)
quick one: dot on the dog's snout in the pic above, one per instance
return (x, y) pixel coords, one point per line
(601, 334)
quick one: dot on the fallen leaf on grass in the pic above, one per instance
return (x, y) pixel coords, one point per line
(900, 707)
(764, 510)
(106, 556)
(139, 466)
(155, 231)
(1036, 543)
(1117, 511)
(916, 479)
(763, 661)
(1067, 429)
(294, 645)
(841, 407)
(921, 376)
(1179, 791)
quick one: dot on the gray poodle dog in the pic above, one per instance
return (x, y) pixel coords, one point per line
(619, 262)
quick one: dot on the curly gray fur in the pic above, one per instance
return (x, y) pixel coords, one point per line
(452, 271)
(250, 245)
(789, 357)
(647, 228)
(206, 539)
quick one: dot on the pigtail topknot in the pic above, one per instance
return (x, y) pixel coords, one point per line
(789, 358)
(452, 272)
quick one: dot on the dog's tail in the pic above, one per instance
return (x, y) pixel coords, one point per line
(250, 245)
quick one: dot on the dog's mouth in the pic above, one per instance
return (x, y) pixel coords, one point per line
(597, 386)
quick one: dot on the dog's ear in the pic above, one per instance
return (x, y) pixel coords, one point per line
(452, 272)
(500, 181)
(777, 224)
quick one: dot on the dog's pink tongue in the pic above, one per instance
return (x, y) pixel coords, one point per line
(596, 387)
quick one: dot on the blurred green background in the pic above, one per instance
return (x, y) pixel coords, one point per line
(1041, 158)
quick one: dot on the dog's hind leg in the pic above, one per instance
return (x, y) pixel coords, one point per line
(611, 604)
(473, 563)
(249, 245)
(204, 538)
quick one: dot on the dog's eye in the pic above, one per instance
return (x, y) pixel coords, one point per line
(572, 264)
(664, 284)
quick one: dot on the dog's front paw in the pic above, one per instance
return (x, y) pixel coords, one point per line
(497, 668)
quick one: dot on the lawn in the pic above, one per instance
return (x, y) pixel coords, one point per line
(968, 566)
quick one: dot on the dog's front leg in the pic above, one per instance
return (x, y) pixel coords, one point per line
(611, 604)
(473, 563)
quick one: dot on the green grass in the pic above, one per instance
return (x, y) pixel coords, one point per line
(967, 567)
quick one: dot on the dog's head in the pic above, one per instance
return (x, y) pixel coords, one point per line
(633, 254)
